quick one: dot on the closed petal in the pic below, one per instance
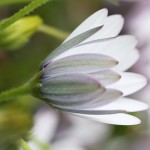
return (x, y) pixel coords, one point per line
(125, 104)
(107, 97)
(128, 61)
(116, 119)
(84, 101)
(95, 20)
(74, 100)
(106, 77)
(83, 63)
(129, 83)
(69, 84)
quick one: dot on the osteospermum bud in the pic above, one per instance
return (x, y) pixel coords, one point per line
(85, 75)
(19, 33)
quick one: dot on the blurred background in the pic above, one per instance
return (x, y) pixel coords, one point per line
(45, 128)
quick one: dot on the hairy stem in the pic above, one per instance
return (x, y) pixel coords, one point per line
(13, 93)
(26, 10)
(29, 88)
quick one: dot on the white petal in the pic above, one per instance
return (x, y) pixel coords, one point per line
(81, 63)
(95, 20)
(106, 77)
(44, 128)
(129, 83)
(117, 48)
(126, 104)
(116, 119)
(112, 28)
(128, 61)
(120, 47)
(84, 49)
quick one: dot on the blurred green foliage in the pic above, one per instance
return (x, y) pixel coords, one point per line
(17, 67)
(16, 120)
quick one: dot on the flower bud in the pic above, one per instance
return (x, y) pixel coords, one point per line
(19, 33)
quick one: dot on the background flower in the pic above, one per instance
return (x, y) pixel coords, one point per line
(65, 131)
(138, 24)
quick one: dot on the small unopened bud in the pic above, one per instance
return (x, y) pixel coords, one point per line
(19, 33)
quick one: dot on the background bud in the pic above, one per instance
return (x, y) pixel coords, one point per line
(19, 33)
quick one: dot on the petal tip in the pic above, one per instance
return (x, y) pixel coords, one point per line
(144, 106)
(132, 121)
(143, 81)
(104, 10)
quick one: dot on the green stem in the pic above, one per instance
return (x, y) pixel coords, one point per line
(24, 145)
(14, 93)
(52, 31)
(28, 88)
(26, 10)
